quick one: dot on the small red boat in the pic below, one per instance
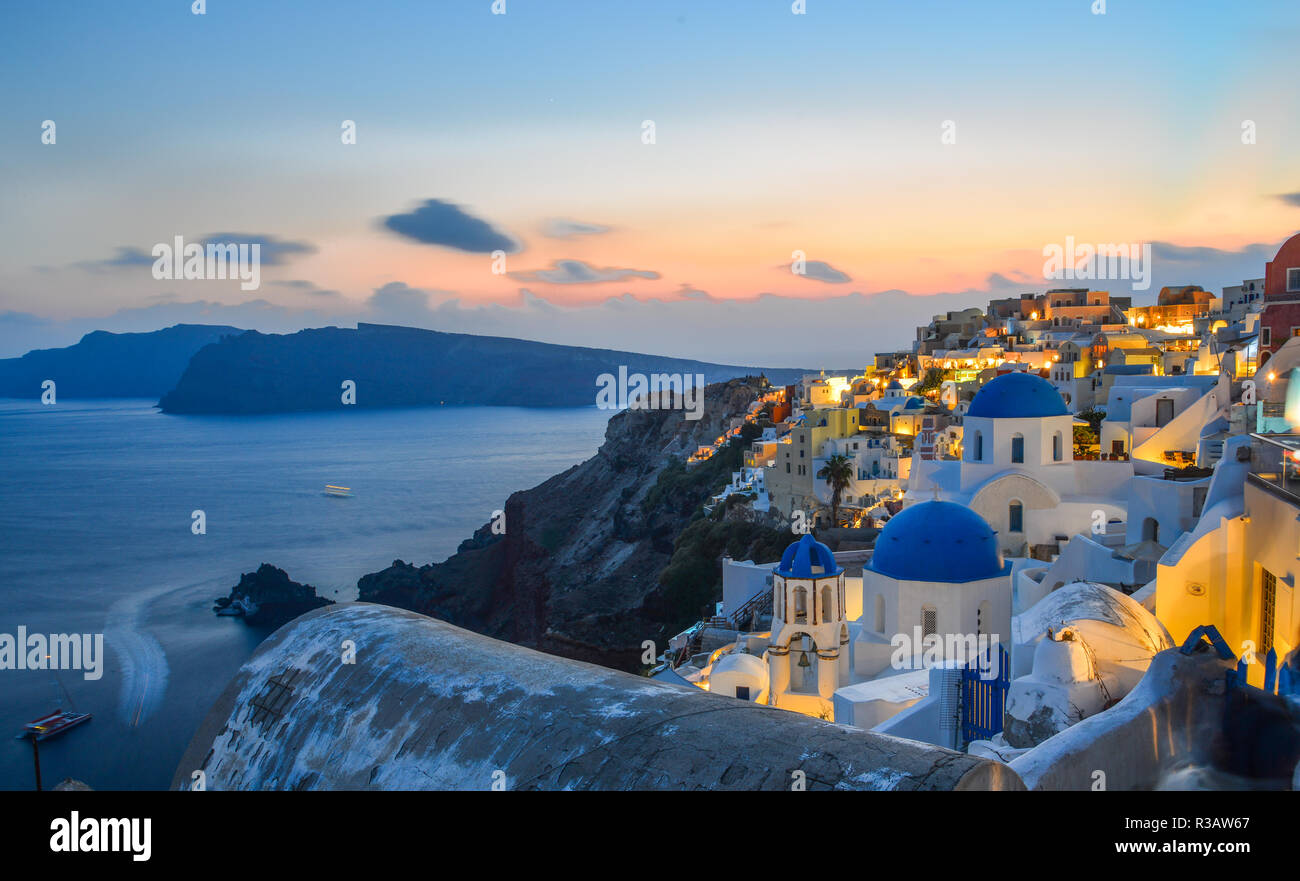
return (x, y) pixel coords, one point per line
(52, 725)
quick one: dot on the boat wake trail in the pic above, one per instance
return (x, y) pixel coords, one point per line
(142, 659)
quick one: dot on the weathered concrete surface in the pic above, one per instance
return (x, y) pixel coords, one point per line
(1174, 715)
(430, 706)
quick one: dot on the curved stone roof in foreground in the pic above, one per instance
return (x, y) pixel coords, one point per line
(430, 706)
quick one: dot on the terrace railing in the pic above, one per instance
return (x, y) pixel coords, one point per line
(1275, 462)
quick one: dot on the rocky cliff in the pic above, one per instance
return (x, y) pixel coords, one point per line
(578, 569)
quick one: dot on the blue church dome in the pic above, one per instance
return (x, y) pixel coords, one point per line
(804, 557)
(914, 404)
(937, 541)
(1016, 396)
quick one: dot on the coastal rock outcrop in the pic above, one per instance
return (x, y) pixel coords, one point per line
(269, 598)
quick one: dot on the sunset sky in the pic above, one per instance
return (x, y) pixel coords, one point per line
(774, 133)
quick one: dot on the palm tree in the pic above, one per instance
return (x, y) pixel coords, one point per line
(1093, 417)
(837, 472)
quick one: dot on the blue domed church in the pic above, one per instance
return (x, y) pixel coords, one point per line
(1018, 471)
(935, 587)
(936, 571)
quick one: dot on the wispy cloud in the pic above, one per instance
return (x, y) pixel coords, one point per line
(275, 251)
(561, 228)
(304, 286)
(819, 270)
(578, 272)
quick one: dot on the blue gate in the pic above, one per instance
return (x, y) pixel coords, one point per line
(984, 696)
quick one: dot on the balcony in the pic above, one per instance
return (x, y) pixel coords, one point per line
(1275, 464)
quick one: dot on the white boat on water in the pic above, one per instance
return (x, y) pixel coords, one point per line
(338, 492)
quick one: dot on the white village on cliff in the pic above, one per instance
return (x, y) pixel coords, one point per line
(1089, 519)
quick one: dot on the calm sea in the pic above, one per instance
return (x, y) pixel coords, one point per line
(95, 537)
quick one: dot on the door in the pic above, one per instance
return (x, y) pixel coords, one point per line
(1164, 412)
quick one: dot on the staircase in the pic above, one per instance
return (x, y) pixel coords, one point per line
(746, 616)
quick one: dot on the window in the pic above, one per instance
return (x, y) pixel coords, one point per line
(977, 451)
(1056, 447)
(1268, 602)
(742, 692)
(828, 605)
(1293, 279)
(880, 613)
(929, 621)
(1266, 336)
(1018, 448)
(1016, 517)
(1117, 448)
(800, 605)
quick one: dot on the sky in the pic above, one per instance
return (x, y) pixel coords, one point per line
(917, 156)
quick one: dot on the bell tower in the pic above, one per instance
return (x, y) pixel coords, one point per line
(808, 653)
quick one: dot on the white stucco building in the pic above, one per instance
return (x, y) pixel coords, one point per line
(1018, 469)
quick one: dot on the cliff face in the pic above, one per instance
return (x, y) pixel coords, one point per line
(576, 572)
(406, 367)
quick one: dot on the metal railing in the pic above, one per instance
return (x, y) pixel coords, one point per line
(1275, 460)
